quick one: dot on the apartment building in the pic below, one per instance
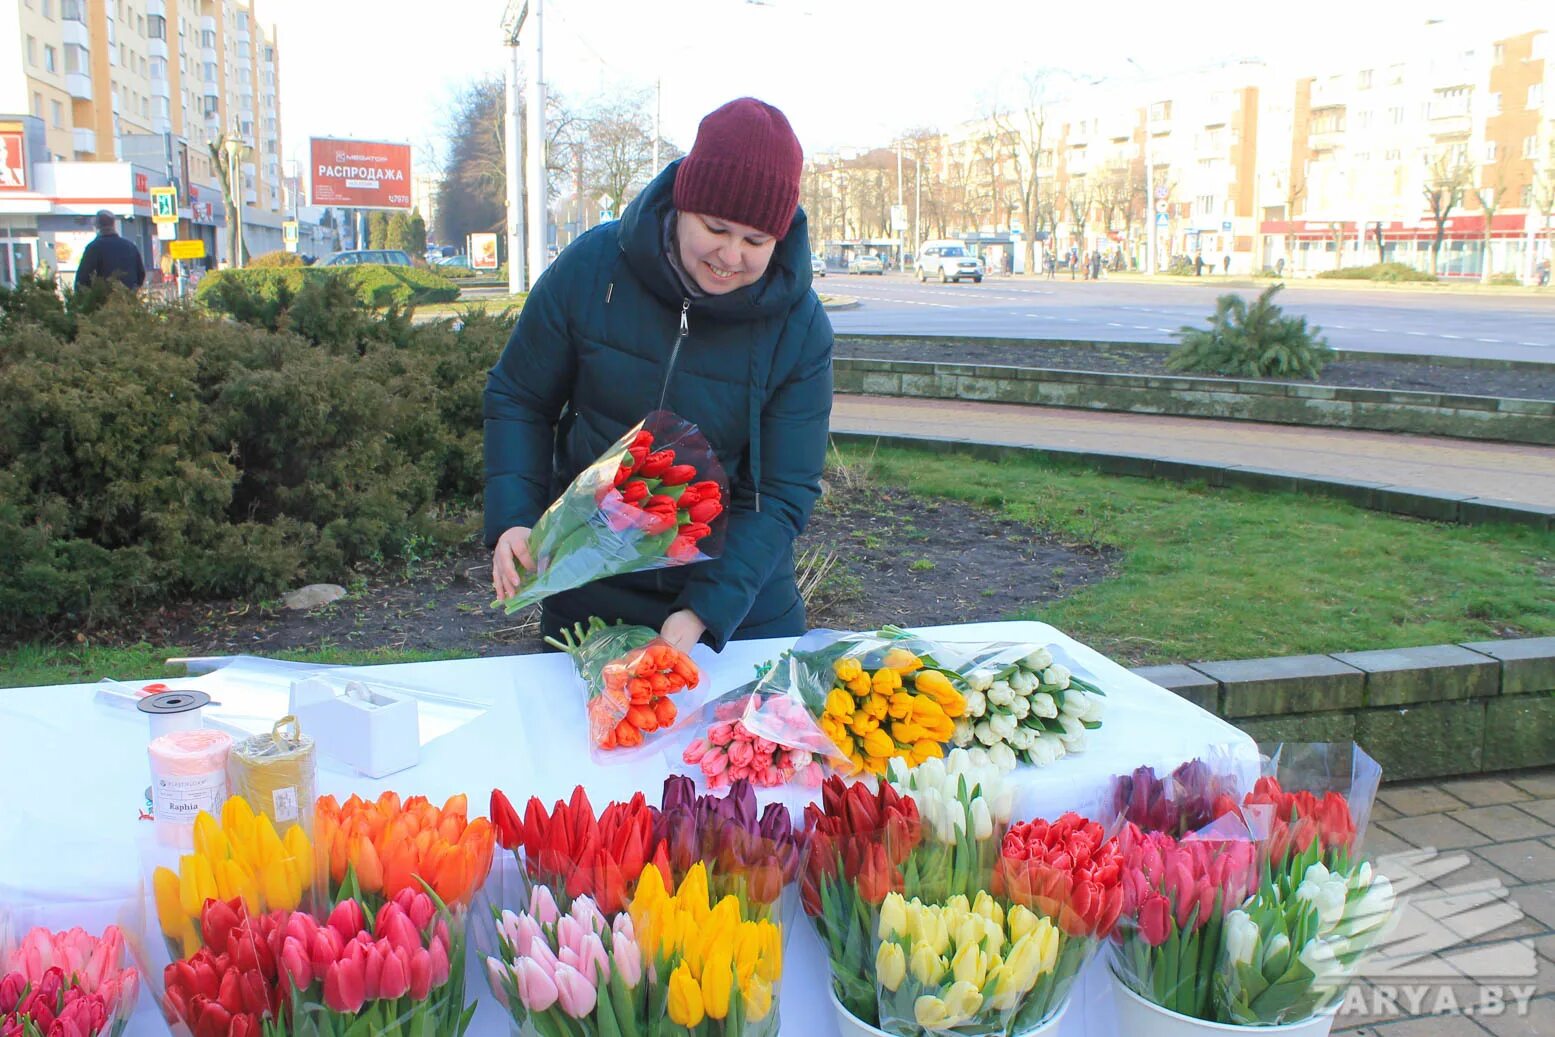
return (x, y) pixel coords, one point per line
(116, 97)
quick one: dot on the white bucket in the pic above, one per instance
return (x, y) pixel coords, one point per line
(1138, 1018)
(849, 1025)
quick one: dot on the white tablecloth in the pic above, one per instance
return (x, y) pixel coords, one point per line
(73, 774)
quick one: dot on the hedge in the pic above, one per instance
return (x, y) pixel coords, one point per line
(149, 457)
(1378, 272)
(375, 285)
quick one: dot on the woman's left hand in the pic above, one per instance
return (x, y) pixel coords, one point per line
(682, 630)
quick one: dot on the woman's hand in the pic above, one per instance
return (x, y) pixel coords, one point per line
(504, 575)
(682, 630)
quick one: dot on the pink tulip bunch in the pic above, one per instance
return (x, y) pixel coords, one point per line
(71, 979)
(731, 752)
(556, 967)
(390, 969)
(1176, 895)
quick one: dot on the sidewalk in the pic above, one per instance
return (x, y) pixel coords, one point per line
(1500, 834)
(1503, 471)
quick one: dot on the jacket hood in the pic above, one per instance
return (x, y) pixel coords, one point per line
(785, 283)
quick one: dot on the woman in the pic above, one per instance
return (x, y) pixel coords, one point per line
(697, 301)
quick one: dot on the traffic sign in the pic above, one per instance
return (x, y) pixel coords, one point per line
(166, 231)
(164, 205)
(1226, 225)
(1160, 206)
(1160, 219)
(898, 218)
(289, 234)
(1160, 192)
(193, 248)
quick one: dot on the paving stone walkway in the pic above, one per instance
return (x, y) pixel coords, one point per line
(1505, 471)
(1488, 964)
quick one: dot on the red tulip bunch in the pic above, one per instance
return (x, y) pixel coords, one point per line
(1300, 818)
(54, 1005)
(650, 501)
(858, 845)
(1065, 870)
(576, 853)
(230, 987)
(391, 971)
(1175, 898)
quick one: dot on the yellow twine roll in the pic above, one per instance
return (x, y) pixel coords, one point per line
(276, 774)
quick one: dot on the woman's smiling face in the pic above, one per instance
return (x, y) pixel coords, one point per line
(721, 255)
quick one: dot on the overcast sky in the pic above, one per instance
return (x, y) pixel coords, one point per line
(847, 72)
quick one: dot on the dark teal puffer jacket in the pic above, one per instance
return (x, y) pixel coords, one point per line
(592, 352)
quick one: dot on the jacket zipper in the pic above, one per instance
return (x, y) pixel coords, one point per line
(669, 369)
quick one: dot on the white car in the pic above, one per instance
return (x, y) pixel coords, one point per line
(817, 266)
(947, 261)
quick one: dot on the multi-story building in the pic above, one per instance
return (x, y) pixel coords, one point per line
(121, 96)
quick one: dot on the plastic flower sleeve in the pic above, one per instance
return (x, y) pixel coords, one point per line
(1308, 791)
(85, 981)
(629, 676)
(1184, 800)
(654, 499)
(721, 749)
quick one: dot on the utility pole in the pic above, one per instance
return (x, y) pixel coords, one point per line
(658, 103)
(512, 22)
(917, 212)
(536, 178)
(1150, 213)
(901, 206)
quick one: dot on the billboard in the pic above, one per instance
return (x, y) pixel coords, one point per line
(483, 252)
(13, 157)
(359, 174)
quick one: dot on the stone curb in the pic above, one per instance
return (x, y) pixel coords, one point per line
(1287, 403)
(1394, 500)
(1470, 362)
(1427, 712)
(841, 302)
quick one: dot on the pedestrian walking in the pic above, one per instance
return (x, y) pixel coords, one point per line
(1225, 263)
(1096, 265)
(696, 301)
(1279, 267)
(1544, 273)
(1198, 264)
(110, 256)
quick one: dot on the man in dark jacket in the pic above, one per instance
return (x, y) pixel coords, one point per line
(109, 255)
(697, 301)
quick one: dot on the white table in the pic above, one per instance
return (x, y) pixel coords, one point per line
(73, 774)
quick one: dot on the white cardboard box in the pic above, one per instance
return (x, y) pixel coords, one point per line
(365, 724)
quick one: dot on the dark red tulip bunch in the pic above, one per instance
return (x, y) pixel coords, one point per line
(1300, 818)
(652, 500)
(571, 850)
(1188, 799)
(387, 970)
(750, 855)
(858, 847)
(55, 1006)
(230, 987)
(1066, 870)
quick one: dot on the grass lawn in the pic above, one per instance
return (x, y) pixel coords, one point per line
(32, 665)
(1235, 574)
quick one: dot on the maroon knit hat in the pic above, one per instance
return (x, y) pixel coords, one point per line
(744, 167)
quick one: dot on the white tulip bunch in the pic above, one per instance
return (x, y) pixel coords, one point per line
(961, 793)
(1033, 711)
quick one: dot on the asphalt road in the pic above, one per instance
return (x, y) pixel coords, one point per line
(1510, 327)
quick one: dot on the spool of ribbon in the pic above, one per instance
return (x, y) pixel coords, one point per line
(171, 711)
(276, 774)
(188, 775)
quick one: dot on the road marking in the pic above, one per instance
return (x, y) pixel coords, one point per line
(1110, 324)
(1164, 329)
(1487, 340)
(1417, 334)
(1140, 327)
(1341, 327)
(1450, 336)
(1533, 343)
(1381, 331)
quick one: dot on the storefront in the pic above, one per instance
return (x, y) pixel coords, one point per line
(1311, 247)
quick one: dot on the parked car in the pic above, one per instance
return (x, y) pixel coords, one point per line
(866, 265)
(460, 261)
(817, 266)
(948, 261)
(359, 256)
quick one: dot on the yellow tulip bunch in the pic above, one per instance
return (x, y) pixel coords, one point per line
(942, 966)
(875, 717)
(242, 856)
(723, 968)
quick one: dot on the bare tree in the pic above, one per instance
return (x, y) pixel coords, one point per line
(1446, 180)
(1081, 196)
(1336, 235)
(616, 141)
(1544, 196)
(1025, 129)
(1490, 197)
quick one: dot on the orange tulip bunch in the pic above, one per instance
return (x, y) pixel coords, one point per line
(386, 846)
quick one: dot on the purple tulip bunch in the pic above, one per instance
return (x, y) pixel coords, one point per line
(577, 966)
(1187, 800)
(749, 854)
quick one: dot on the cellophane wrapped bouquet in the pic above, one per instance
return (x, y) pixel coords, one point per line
(71, 984)
(629, 676)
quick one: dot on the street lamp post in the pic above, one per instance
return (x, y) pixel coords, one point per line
(233, 147)
(1150, 214)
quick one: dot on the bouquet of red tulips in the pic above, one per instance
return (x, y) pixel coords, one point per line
(654, 499)
(69, 983)
(628, 674)
(575, 853)
(231, 986)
